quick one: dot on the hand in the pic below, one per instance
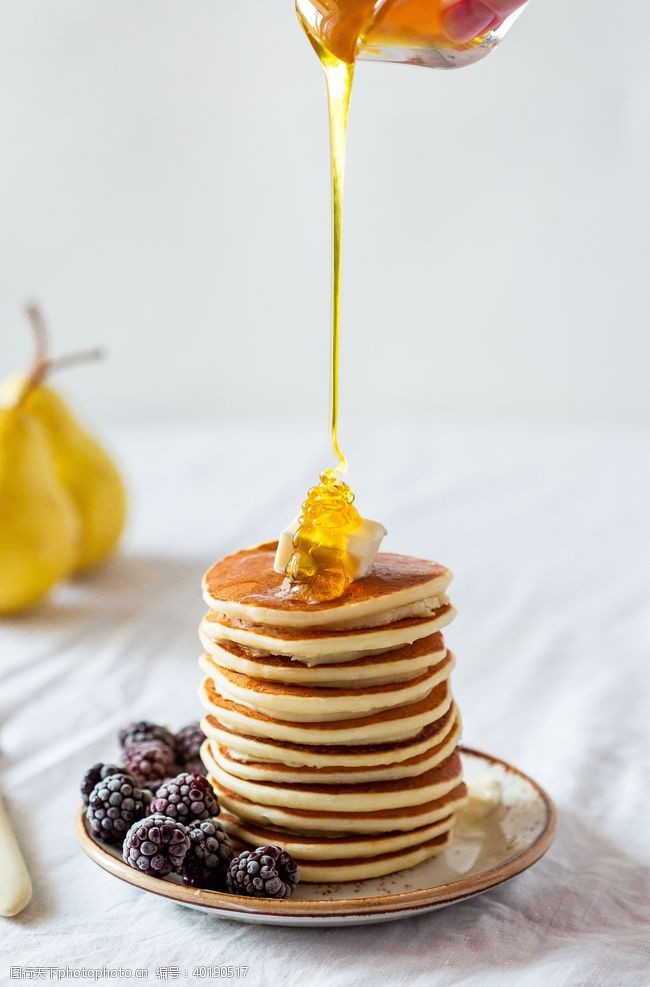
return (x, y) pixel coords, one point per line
(462, 20)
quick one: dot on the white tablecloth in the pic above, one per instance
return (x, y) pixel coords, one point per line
(548, 532)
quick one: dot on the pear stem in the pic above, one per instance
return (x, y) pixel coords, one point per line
(41, 334)
(73, 359)
(44, 365)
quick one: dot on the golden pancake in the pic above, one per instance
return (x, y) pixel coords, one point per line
(264, 771)
(245, 587)
(336, 823)
(368, 797)
(397, 665)
(385, 726)
(320, 848)
(302, 704)
(316, 646)
(329, 756)
(362, 869)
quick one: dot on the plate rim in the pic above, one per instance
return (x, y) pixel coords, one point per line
(400, 901)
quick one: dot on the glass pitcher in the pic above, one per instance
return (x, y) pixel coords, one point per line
(413, 32)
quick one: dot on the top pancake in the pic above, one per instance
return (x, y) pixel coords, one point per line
(244, 586)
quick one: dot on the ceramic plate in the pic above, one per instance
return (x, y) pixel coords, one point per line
(487, 851)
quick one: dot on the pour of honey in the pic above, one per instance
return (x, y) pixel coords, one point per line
(320, 567)
(341, 31)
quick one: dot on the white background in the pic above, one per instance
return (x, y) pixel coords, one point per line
(163, 191)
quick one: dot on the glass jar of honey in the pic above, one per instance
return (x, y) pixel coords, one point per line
(434, 33)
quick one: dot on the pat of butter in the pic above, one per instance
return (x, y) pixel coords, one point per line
(362, 546)
(15, 883)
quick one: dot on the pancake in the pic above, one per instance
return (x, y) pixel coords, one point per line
(396, 665)
(319, 645)
(265, 771)
(388, 725)
(244, 586)
(368, 797)
(329, 756)
(362, 869)
(319, 848)
(337, 823)
(302, 704)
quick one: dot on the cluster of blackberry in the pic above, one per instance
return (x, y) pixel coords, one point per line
(152, 753)
(163, 813)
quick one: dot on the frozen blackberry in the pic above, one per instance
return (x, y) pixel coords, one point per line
(156, 845)
(142, 732)
(188, 747)
(207, 860)
(268, 872)
(150, 762)
(114, 804)
(97, 773)
(188, 797)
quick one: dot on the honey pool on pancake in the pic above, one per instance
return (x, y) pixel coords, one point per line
(320, 567)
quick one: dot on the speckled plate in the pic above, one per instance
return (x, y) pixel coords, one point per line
(487, 851)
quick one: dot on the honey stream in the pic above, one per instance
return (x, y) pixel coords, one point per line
(320, 567)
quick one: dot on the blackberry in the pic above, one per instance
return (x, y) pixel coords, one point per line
(268, 872)
(156, 845)
(142, 732)
(114, 804)
(97, 773)
(188, 747)
(188, 797)
(150, 762)
(208, 857)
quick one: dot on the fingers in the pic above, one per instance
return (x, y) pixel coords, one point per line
(462, 20)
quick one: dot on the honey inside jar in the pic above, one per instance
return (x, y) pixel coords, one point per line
(351, 29)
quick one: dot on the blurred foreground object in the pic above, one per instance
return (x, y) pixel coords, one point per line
(62, 500)
(15, 882)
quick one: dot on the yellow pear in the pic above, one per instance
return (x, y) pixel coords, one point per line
(39, 525)
(87, 473)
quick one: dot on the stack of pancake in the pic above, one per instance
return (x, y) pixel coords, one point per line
(331, 729)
